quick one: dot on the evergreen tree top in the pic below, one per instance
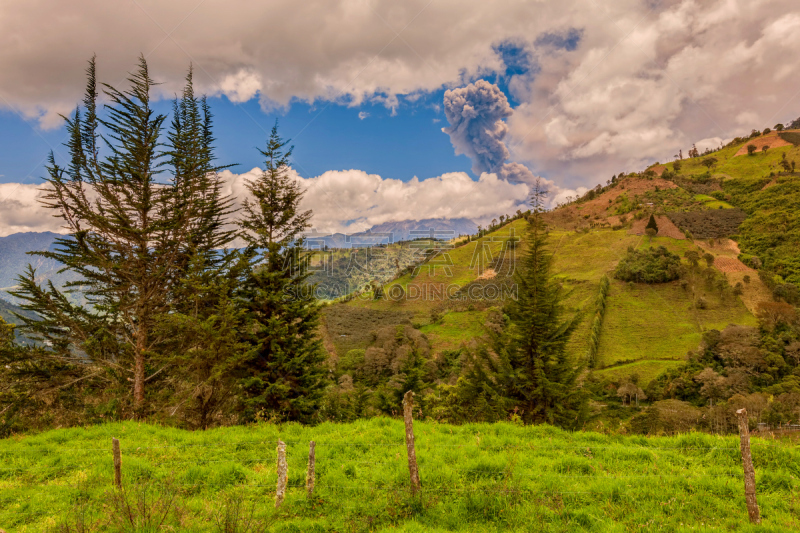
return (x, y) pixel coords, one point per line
(651, 224)
(273, 221)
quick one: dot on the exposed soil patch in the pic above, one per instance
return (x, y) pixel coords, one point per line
(658, 169)
(770, 140)
(577, 215)
(665, 228)
(489, 273)
(730, 264)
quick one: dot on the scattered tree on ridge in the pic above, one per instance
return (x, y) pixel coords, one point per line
(652, 224)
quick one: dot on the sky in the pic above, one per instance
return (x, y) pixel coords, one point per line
(416, 109)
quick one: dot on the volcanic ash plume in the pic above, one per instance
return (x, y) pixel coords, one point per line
(477, 129)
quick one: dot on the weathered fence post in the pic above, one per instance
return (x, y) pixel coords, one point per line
(749, 472)
(413, 470)
(283, 474)
(117, 463)
(311, 474)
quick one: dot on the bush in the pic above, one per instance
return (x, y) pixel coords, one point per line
(708, 224)
(667, 417)
(651, 224)
(654, 265)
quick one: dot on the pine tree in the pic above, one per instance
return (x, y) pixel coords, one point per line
(131, 235)
(529, 368)
(651, 224)
(546, 389)
(202, 325)
(285, 377)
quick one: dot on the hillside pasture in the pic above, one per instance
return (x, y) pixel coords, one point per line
(659, 322)
(709, 202)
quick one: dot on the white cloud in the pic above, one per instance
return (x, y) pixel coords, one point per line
(362, 115)
(241, 86)
(353, 200)
(647, 77)
(642, 85)
(346, 201)
(21, 210)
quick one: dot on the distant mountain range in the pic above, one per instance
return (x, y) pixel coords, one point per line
(14, 258)
(405, 230)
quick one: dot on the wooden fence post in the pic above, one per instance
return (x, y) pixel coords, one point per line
(413, 469)
(283, 474)
(311, 474)
(117, 463)
(749, 472)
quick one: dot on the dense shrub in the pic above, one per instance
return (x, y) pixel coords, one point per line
(653, 265)
(667, 417)
(711, 223)
(772, 228)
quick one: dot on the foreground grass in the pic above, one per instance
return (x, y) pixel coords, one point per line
(476, 477)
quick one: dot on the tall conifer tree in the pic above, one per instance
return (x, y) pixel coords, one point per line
(200, 328)
(286, 376)
(528, 367)
(131, 235)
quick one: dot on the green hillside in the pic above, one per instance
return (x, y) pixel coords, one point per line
(730, 210)
(475, 477)
(645, 323)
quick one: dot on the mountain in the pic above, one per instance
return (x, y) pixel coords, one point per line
(7, 311)
(438, 228)
(392, 232)
(14, 260)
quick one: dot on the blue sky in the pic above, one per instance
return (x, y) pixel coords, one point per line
(326, 137)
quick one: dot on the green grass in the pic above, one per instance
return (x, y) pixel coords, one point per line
(712, 203)
(475, 478)
(588, 256)
(657, 323)
(743, 166)
(646, 370)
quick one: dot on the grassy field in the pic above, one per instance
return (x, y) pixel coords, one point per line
(712, 203)
(476, 478)
(740, 167)
(657, 322)
(455, 329)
